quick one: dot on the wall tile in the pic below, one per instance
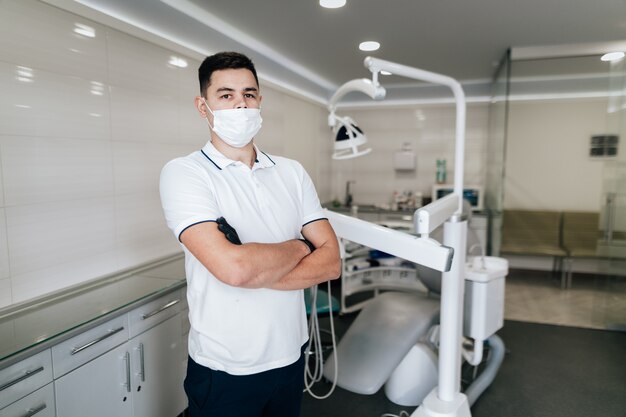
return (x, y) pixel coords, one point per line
(192, 128)
(38, 170)
(5, 271)
(1, 181)
(5, 294)
(41, 103)
(144, 117)
(89, 265)
(139, 65)
(39, 36)
(141, 232)
(43, 236)
(137, 166)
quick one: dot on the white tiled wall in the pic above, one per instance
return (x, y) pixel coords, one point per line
(141, 234)
(5, 273)
(43, 235)
(1, 188)
(45, 169)
(86, 123)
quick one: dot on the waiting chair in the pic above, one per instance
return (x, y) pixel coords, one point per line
(534, 233)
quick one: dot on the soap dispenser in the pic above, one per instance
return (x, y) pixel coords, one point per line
(404, 159)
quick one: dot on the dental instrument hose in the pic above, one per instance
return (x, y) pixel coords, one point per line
(315, 340)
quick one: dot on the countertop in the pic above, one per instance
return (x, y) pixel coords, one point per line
(29, 328)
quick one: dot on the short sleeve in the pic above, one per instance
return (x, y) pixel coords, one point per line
(186, 196)
(311, 207)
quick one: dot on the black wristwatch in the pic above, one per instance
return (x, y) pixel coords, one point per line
(309, 244)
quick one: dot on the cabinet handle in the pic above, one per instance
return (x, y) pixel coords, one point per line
(99, 339)
(158, 310)
(32, 411)
(142, 368)
(26, 375)
(127, 360)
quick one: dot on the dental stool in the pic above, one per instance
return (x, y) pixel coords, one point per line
(380, 338)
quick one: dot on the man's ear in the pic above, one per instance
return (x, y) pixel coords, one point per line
(201, 106)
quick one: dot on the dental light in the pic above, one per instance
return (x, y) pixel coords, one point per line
(348, 136)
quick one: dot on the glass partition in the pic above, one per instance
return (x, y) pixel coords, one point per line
(612, 309)
(564, 139)
(496, 146)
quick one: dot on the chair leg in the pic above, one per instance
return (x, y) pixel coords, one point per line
(566, 273)
(570, 273)
(563, 278)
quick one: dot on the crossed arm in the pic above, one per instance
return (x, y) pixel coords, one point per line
(288, 265)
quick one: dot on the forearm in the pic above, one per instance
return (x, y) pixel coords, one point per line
(321, 265)
(263, 265)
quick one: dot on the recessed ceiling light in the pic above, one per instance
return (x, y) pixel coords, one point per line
(369, 46)
(385, 73)
(332, 4)
(612, 56)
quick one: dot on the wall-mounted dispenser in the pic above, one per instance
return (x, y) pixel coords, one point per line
(404, 159)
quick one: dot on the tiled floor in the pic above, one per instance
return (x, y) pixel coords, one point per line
(594, 301)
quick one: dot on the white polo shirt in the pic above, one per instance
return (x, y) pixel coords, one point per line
(237, 330)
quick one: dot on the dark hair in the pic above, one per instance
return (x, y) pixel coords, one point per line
(222, 61)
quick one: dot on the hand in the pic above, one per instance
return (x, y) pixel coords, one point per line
(228, 230)
(309, 244)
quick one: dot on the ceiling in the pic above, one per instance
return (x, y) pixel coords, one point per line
(312, 50)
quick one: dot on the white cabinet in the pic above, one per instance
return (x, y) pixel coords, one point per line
(157, 382)
(140, 378)
(80, 349)
(22, 378)
(100, 388)
(36, 404)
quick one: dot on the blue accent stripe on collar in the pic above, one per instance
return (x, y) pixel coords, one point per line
(268, 157)
(207, 156)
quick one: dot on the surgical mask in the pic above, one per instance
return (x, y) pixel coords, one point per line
(236, 127)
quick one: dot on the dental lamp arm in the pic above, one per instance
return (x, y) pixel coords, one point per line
(374, 90)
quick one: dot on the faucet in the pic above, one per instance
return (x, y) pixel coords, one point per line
(348, 194)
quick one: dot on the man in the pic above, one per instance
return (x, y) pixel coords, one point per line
(240, 215)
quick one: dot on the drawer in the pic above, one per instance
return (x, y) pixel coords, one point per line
(22, 378)
(148, 315)
(80, 349)
(38, 404)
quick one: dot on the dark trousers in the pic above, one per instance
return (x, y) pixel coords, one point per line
(273, 393)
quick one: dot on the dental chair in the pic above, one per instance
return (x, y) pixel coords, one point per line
(394, 339)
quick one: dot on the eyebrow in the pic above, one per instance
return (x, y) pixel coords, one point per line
(221, 89)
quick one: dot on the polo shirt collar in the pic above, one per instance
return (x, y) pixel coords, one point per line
(221, 161)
